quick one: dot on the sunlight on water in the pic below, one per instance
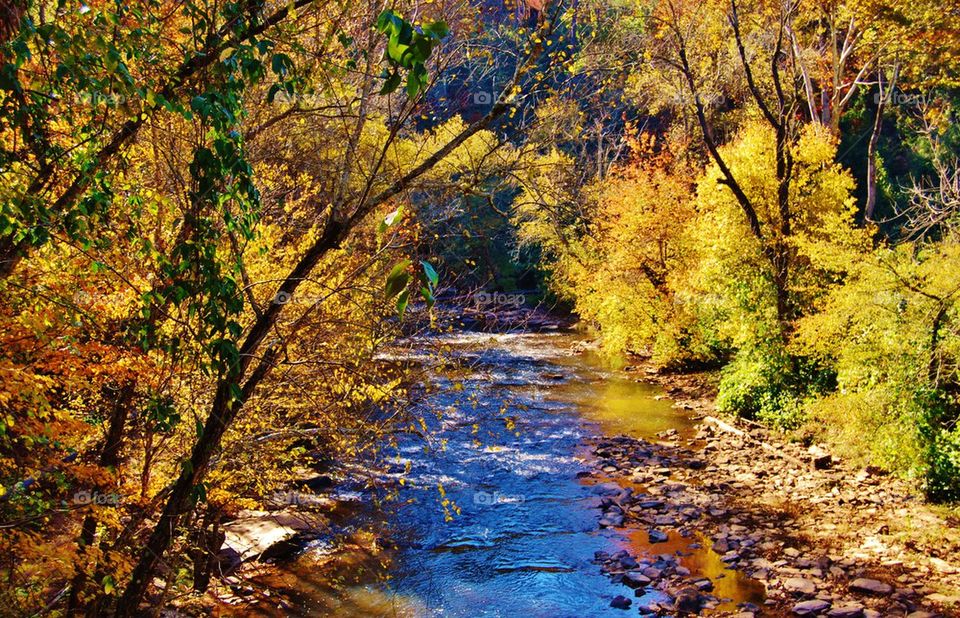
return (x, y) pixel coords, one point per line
(524, 540)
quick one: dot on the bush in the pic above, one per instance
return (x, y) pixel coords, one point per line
(771, 387)
(940, 439)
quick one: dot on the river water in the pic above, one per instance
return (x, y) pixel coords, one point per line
(493, 518)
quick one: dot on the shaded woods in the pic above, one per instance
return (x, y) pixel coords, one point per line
(213, 216)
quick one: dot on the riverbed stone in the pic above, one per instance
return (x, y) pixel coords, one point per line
(657, 536)
(799, 585)
(611, 520)
(853, 610)
(628, 562)
(870, 586)
(688, 601)
(652, 572)
(621, 602)
(811, 607)
(635, 580)
(264, 534)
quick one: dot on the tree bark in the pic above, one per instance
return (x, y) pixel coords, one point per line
(109, 458)
(883, 97)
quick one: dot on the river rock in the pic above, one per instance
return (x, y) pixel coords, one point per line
(228, 559)
(688, 601)
(657, 536)
(635, 580)
(811, 607)
(819, 458)
(611, 520)
(628, 562)
(870, 586)
(316, 484)
(652, 572)
(621, 602)
(800, 585)
(258, 533)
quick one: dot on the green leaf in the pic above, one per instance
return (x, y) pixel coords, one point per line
(413, 85)
(428, 296)
(437, 29)
(281, 64)
(431, 274)
(392, 83)
(398, 279)
(199, 493)
(236, 394)
(402, 302)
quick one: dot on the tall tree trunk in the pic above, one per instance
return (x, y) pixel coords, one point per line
(206, 544)
(109, 458)
(883, 97)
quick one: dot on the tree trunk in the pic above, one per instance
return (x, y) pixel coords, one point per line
(869, 209)
(109, 458)
(206, 544)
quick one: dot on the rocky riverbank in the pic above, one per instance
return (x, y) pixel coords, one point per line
(823, 539)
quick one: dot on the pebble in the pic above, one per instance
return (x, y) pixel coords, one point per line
(689, 601)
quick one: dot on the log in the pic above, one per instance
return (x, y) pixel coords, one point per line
(727, 427)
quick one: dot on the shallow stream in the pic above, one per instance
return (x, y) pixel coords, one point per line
(507, 431)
